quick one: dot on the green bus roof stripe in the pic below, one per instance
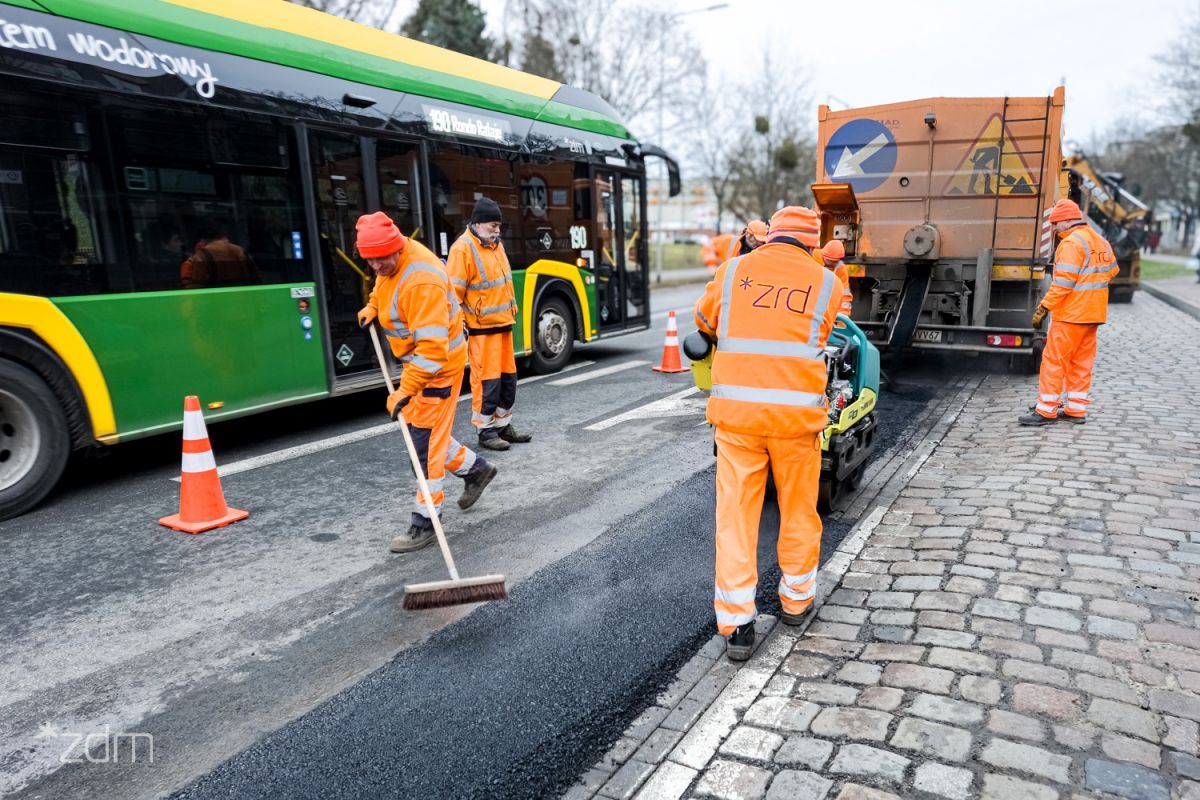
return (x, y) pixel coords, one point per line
(32, 6)
(213, 32)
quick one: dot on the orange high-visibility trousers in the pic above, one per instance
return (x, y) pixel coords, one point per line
(742, 464)
(430, 417)
(493, 379)
(1067, 364)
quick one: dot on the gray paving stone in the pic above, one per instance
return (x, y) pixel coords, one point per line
(1182, 735)
(751, 743)
(781, 713)
(1019, 726)
(961, 660)
(912, 676)
(855, 791)
(1186, 765)
(1028, 759)
(1037, 699)
(892, 633)
(859, 672)
(1114, 628)
(1123, 718)
(852, 723)
(795, 785)
(806, 666)
(932, 739)
(730, 780)
(943, 780)
(1175, 703)
(1125, 780)
(881, 698)
(1070, 602)
(851, 616)
(1053, 618)
(1003, 787)
(892, 652)
(827, 694)
(657, 745)
(804, 751)
(999, 609)
(627, 780)
(669, 782)
(862, 760)
(1035, 673)
(944, 709)
(1123, 748)
(980, 690)
(944, 638)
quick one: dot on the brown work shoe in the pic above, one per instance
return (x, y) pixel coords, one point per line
(413, 539)
(475, 486)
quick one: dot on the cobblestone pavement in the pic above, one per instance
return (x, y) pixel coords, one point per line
(1019, 624)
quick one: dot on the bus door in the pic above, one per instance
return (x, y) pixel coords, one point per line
(620, 257)
(341, 197)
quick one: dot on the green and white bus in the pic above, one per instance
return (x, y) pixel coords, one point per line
(137, 132)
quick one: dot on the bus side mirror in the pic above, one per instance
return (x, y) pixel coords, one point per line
(696, 346)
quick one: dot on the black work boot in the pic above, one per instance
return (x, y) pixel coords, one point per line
(476, 481)
(1034, 420)
(415, 538)
(490, 438)
(1064, 416)
(797, 619)
(509, 434)
(740, 643)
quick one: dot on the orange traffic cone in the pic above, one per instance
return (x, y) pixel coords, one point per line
(201, 502)
(670, 359)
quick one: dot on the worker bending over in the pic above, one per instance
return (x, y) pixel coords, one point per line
(832, 254)
(482, 280)
(769, 314)
(420, 315)
(1078, 305)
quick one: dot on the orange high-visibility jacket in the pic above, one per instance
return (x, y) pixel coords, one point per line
(843, 274)
(422, 319)
(1083, 265)
(482, 279)
(719, 249)
(770, 312)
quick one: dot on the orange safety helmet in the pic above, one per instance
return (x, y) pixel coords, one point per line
(833, 250)
(377, 236)
(796, 222)
(1065, 210)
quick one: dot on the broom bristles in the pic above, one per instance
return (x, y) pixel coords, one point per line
(445, 593)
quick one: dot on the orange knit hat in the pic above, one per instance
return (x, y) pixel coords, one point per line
(796, 222)
(1065, 210)
(758, 229)
(833, 250)
(378, 236)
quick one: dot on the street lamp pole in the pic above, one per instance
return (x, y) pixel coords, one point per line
(662, 169)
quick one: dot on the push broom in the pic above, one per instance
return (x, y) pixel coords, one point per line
(438, 594)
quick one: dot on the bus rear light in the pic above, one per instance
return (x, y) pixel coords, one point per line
(1004, 340)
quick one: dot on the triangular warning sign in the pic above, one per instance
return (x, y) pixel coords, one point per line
(977, 173)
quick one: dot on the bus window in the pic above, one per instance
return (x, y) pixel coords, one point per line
(51, 241)
(460, 175)
(400, 186)
(635, 247)
(212, 199)
(549, 227)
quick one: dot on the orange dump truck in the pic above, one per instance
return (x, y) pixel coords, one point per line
(941, 205)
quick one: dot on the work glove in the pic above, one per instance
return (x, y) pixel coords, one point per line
(366, 316)
(1039, 316)
(396, 403)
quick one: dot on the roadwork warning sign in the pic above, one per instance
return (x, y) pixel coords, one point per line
(991, 166)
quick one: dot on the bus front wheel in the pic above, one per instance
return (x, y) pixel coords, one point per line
(553, 335)
(35, 441)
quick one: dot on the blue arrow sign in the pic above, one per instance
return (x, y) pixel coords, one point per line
(862, 153)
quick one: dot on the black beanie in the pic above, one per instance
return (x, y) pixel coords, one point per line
(485, 211)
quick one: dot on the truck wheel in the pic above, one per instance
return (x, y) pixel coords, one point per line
(553, 335)
(34, 439)
(1121, 294)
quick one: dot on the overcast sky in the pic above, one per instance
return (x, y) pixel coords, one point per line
(880, 51)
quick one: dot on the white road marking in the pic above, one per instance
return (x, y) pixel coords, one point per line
(675, 405)
(598, 373)
(301, 450)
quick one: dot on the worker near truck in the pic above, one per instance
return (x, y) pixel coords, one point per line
(1077, 303)
(833, 254)
(482, 278)
(419, 313)
(769, 314)
(725, 246)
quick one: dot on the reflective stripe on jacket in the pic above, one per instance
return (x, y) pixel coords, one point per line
(1083, 265)
(482, 279)
(843, 274)
(422, 319)
(770, 312)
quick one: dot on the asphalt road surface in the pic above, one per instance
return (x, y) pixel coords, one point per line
(271, 658)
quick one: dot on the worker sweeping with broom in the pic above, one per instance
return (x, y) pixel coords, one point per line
(413, 302)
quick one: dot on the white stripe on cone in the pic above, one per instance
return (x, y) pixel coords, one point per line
(193, 426)
(199, 462)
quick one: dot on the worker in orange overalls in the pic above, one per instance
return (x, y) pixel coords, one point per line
(482, 279)
(769, 314)
(420, 315)
(753, 236)
(832, 253)
(1078, 304)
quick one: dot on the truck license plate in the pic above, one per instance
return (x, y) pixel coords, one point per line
(927, 336)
